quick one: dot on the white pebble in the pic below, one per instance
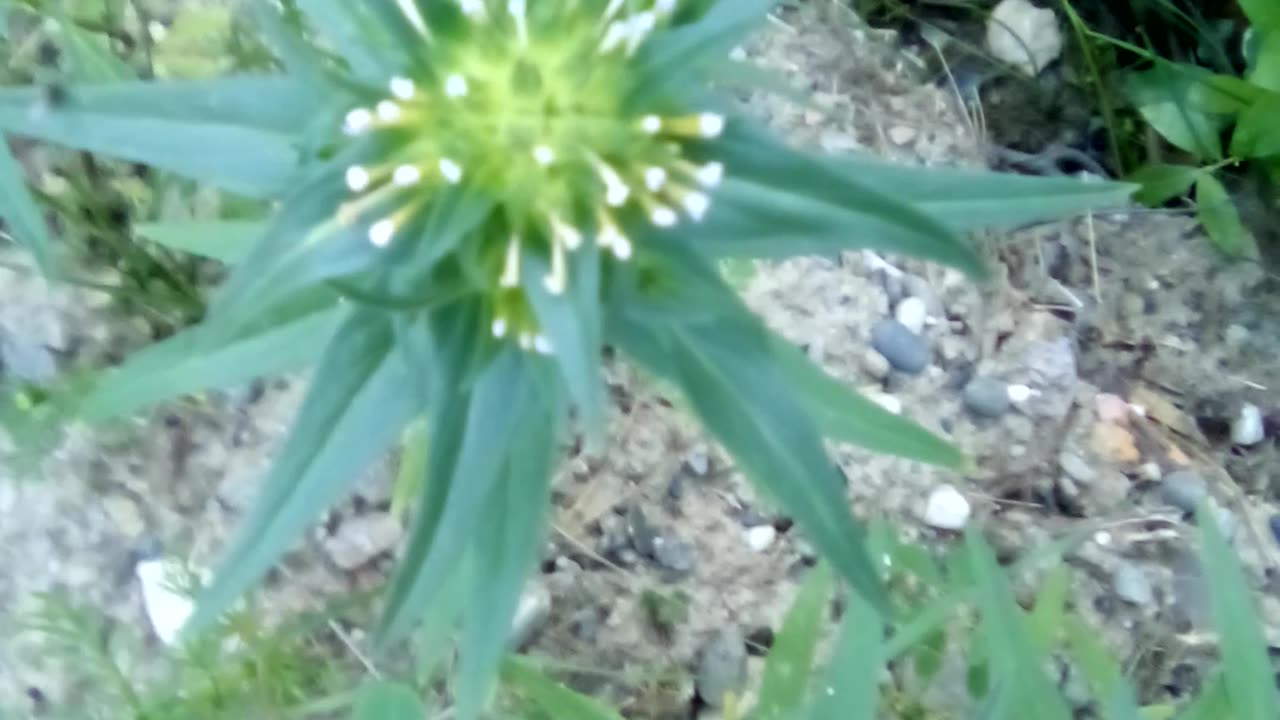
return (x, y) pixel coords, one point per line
(166, 608)
(1247, 428)
(912, 313)
(760, 537)
(947, 509)
(885, 400)
(1019, 394)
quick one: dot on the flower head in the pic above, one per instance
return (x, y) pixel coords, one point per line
(528, 103)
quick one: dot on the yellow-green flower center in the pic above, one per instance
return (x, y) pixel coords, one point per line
(526, 103)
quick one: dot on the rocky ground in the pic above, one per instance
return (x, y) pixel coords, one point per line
(1114, 374)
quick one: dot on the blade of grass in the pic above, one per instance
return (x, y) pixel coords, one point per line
(790, 662)
(22, 217)
(852, 687)
(554, 700)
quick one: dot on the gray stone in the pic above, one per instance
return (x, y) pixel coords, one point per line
(643, 534)
(1076, 468)
(698, 461)
(362, 538)
(906, 351)
(1225, 519)
(26, 360)
(987, 397)
(722, 667)
(1247, 429)
(875, 365)
(1184, 489)
(532, 613)
(1132, 585)
(911, 312)
(674, 554)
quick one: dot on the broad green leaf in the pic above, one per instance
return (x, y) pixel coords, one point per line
(1264, 14)
(729, 377)
(1167, 101)
(227, 241)
(790, 663)
(776, 201)
(1249, 677)
(507, 547)
(1257, 135)
(979, 200)
(23, 221)
(357, 33)
(851, 690)
(1217, 213)
(844, 415)
(388, 701)
(1214, 702)
(1016, 665)
(353, 411)
(499, 404)
(287, 338)
(1265, 72)
(1045, 621)
(1161, 183)
(1110, 687)
(221, 131)
(551, 700)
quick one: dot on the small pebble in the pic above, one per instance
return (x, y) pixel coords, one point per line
(875, 365)
(531, 615)
(912, 312)
(889, 402)
(947, 509)
(1019, 394)
(760, 537)
(1247, 429)
(902, 134)
(1184, 489)
(1131, 585)
(986, 397)
(167, 609)
(1076, 467)
(698, 461)
(722, 667)
(1112, 408)
(674, 554)
(906, 351)
(1274, 524)
(1225, 519)
(1151, 471)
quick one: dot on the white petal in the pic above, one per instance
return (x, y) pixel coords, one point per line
(357, 121)
(710, 175)
(696, 204)
(663, 216)
(499, 327)
(406, 175)
(542, 344)
(543, 155)
(167, 609)
(382, 232)
(357, 178)
(621, 247)
(651, 124)
(388, 111)
(402, 87)
(451, 171)
(654, 178)
(710, 125)
(455, 86)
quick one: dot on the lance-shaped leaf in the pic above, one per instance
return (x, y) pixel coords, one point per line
(387, 701)
(361, 34)
(851, 690)
(238, 132)
(552, 698)
(778, 202)
(226, 241)
(354, 410)
(21, 216)
(788, 668)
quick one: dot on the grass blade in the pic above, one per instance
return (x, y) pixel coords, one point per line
(1110, 687)
(549, 699)
(388, 701)
(22, 217)
(354, 410)
(1246, 667)
(852, 687)
(790, 663)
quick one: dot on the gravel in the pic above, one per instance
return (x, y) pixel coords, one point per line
(362, 538)
(947, 509)
(1247, 429)
(760, 537)
(722, 667)
(906, 351)
(1132, 585)
(1184, 489)
(912, 312)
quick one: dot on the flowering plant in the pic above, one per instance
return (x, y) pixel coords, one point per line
(472, 199)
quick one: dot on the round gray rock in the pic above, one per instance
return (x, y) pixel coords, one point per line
(1131, 585)
(987, 397)
(906, 351)
(1184, 489)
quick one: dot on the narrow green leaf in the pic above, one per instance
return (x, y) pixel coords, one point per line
(91, 59)
(22, 218)
(978, 200)
(499, 403)
(726, 372)
(670, 55)
(388, 701)
(790, 663)
(1161, 183)
(508, 546)
(550, 699)
(572, 322)
(286, 338)
(1265, 72)
(1049, 612)
(1217, 213)
(844, 415)
(219, 131)
(353, 411)
(227, 241)
(1214, 702)
(1015, 663)
(413, 467)
(852, 687)
(777, 201)
(354, 30)
(1245, 665)
(1109, 684)
(1256, 134)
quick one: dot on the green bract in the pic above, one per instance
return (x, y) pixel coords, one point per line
(474, 197)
